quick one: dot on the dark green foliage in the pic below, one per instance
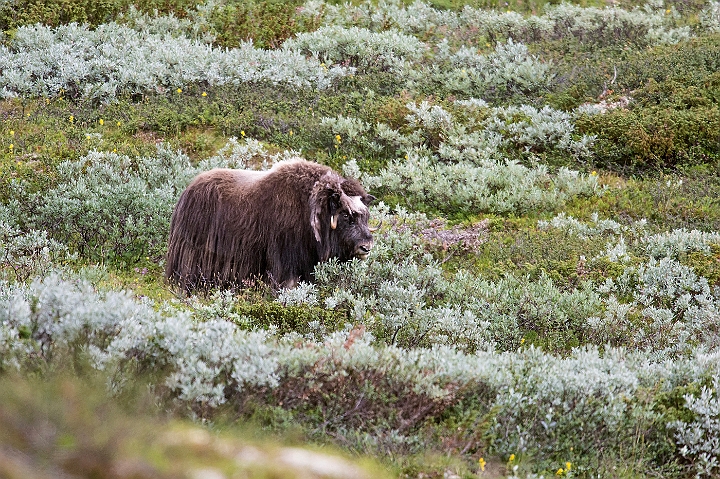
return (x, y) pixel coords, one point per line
(667, 202)
(655, 138)
(673, 117)
(555, 253)
(267, 23)
(288, 319)
(16, 13)
(362, 399)
(705, 265)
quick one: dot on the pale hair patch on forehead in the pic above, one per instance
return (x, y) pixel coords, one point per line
(356, 205)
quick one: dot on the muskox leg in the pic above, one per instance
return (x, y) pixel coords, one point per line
(278, 284)
(290, 283)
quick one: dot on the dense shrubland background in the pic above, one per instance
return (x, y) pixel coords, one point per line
(543, 297)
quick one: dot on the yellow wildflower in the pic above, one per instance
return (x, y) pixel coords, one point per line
(101, 121)
(119, 123)
(72, 119)
(179, 90)
(204, 94)
(12, 132)
(11, 146)
(242, 132)
(560, 472)
(481, 463)
(568, 465)
(512, 458)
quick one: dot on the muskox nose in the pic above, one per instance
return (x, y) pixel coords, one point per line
(363, 250)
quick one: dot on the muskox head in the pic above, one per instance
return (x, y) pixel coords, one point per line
(339, 218)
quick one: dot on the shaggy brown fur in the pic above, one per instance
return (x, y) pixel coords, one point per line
(276, 225)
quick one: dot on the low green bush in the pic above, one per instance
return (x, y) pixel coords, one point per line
(267, 23)
(302, 319)
(113, 208)
(654, 138)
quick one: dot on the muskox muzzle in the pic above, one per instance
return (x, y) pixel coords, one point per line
(363, 250)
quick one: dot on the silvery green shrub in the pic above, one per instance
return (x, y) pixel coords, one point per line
(358, 47)
(398, 292)
(590, 25)
(303, 293)
(596, 226)
(451, 166)
(488, 186)
(25, 254)
(673, 243)
(513, 306)
(526, 127)
(202, 358)
(524, 130)
(698, 439)
(656, 304)
(196, 360)
(710, 17)
(512, 68)
(667, 310)
(16, 345)
(541, 405)
(603, 26)
(53, 314)
(404, 298)
(114, 59)
(509, 70)
(195, 25)
(111, 206)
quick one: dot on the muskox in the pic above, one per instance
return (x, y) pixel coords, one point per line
(235, 225)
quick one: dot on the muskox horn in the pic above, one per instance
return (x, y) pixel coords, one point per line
(372, 230)
(333, 221)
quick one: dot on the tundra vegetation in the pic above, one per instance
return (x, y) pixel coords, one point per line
(543, 296)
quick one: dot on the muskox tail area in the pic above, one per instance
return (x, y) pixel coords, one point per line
(192, 262)
(182, 266)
